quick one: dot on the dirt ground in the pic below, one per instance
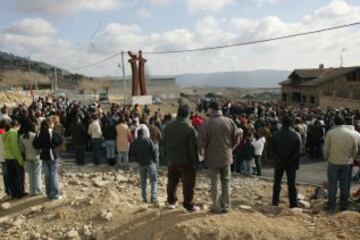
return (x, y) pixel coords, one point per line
(104, 203)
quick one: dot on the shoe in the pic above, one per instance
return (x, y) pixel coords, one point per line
(193, 209)
(225, 210)
(330, 210)
(56, 198)
(5, 198)
(172, 206)
(215, 211)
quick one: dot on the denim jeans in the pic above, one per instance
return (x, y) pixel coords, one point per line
(157, 153)
(247, 167)
(96, 148)
(123, 158)
(338, 173)
(258, 164)
(151, 171)
(51, 172)
(110, 149)
(34, 170)
(220, 199)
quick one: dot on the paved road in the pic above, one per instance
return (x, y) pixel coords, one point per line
(311, 171)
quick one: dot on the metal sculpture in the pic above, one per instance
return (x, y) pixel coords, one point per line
(138, 74)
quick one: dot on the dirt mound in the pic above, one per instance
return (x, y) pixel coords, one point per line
(247, 226)
(103, 203)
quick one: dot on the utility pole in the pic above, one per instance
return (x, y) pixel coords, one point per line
(123, 74)
(30, 78)
(55, 80)
(342, 57)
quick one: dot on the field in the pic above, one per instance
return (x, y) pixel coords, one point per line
(104, 203)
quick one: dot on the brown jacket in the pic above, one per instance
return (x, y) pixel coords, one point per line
(155, 134)
(218, 136)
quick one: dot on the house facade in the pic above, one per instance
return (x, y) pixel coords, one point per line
(324, 87)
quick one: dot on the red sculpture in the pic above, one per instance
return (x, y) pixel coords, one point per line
(138, 74)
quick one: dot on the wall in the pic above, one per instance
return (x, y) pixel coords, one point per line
(326, 102)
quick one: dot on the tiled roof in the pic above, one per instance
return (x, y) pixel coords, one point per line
(320, 75)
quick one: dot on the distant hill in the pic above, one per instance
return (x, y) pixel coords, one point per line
(241, 79)
(11, 62)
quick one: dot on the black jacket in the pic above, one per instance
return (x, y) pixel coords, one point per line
(46, 143)
(109, 128)
(284, 148)
(78, 132)
(142, 151)
(247, 151)
(180, 143)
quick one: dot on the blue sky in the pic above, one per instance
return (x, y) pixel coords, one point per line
(73, 33)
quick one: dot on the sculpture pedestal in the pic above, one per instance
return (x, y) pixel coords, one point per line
(142, 100)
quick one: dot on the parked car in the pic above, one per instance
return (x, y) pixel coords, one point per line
(156, 100)
(103, 97)
(60, 95)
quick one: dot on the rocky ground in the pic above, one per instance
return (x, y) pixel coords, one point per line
(102, 203)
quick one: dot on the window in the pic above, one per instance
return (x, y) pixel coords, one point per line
(296, 97)
(312, 100)
(351, 77)
(303, 99)
(284, 97)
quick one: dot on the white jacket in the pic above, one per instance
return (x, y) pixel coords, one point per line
(259, 146)
(95, 129)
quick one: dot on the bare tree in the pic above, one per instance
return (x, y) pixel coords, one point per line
(24, 79)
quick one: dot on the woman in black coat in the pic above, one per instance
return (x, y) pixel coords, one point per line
(48, 142)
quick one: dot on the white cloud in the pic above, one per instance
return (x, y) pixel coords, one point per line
(56, 7)
(264, 2)
(207, 5)
(306, 51)
(160, 2)
(29, 26)
(143, 13)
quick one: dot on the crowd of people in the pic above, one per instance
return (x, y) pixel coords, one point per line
(222, 137)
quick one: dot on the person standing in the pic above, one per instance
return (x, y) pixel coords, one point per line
(32, 157)
(14, 160)
(143, 152)
(48, 143)
(3, 124)
(4, 116)
(246, 155)
(258, 144)
(284, 150)
(218, 136)
(155, 136)
(123, 133)
(181, 152)
(340, 150)
(96, 138)
(349, 124)
(109, 132)
(78, 132)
